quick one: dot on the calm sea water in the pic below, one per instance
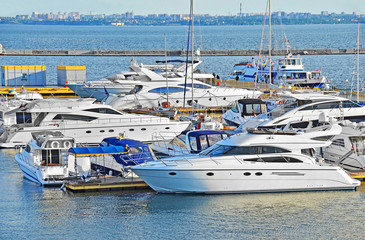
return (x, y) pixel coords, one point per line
(338, 68)
(33, 212)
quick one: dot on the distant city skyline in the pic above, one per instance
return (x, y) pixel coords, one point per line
(145, 7)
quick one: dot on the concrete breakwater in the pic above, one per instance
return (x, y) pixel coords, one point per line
(277, 52)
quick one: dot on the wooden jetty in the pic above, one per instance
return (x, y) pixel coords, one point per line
(207, 52)
(106, 183)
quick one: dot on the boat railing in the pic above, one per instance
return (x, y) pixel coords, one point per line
(106, 121)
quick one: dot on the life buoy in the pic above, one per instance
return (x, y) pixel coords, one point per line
(67, 144)
(281, 102)
(55, 144)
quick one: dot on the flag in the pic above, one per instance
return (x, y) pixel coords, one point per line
(12, 92)
(198, 52)
(106, 92)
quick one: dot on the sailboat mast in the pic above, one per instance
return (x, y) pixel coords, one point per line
(358, 63)
(270, 41)
(192, 54)
(167, 82)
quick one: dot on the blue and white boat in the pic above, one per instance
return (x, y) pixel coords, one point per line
(114, 156)
(287, 71)
(44, 160)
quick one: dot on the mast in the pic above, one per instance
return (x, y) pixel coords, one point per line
(192, 55)
(358, 62)
(270, 42)
(167, 82)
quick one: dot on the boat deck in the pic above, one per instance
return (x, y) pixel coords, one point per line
(106, 184)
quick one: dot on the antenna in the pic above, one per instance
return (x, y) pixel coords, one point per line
(358, 62)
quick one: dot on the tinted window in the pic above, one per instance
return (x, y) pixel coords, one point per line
(23, 117)
(103, 110)
(73, 117)
(164, 90)
(349, 104)
(196, 86)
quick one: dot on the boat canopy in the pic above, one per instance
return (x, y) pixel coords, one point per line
(95, 151)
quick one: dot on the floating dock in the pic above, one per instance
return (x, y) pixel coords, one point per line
(106, 184)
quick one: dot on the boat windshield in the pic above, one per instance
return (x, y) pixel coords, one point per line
(218, 150)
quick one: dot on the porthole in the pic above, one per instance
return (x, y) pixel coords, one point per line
(224, 98)
(167, 127)
(172, 173)
(258, 174)
(143, 129)
(131, 129)
(102, 131)
(111, 130)
(88, 131)
(247, 174)
(177, 101)
(210, 174)
(210, 99)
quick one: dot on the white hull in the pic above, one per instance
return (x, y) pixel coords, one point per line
(278, 179)
(214, 98)
(96, 132)
(34, 174)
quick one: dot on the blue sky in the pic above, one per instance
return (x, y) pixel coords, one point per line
(144, 7)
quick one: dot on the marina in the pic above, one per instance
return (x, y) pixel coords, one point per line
(144, 145)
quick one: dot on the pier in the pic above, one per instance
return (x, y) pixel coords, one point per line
(177, 53)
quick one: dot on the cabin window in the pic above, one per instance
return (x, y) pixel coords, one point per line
(50, 157)
(167, 127)
(143, 129)
(131, 129)
(74, 117)
(203, 142)
(104, 111)
(23, 117)
(258, 174)
(237, 150)
(163, 90)
(339, 142)
(27, 149)
(214, 138)
(102, 131)
(88, 131)
(349, 104)
(247, 174)
(235, 108)
(197, 85)
(323, 138)
(210, 174)
(308, 152)
(172, 173)
(111, 130)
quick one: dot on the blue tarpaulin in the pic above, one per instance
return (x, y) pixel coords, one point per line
(93, 151)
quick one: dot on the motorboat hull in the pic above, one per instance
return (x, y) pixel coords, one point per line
(34, 174)
(246, 180)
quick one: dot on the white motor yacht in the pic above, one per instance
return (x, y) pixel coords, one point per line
(83, 120)
(286, 71)
(348, 148)
(305, 110)
(122, 83)
(44, 160)
(250, 162)
(178, 93)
